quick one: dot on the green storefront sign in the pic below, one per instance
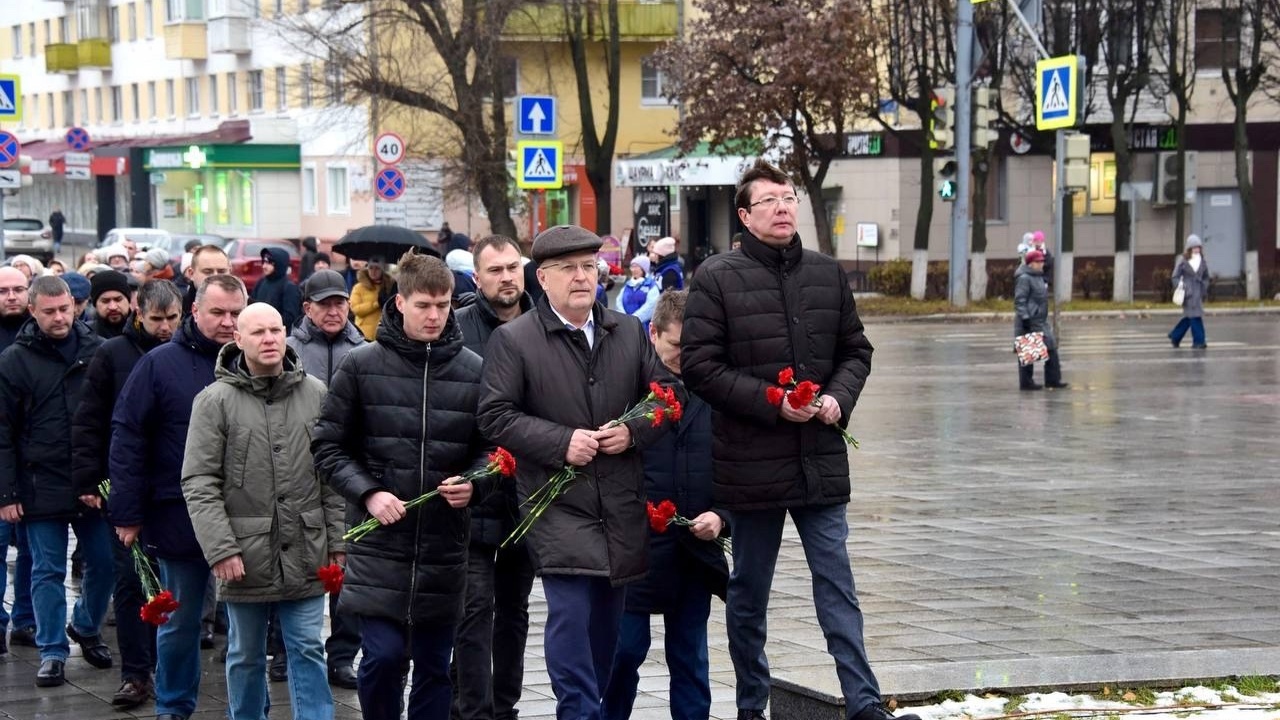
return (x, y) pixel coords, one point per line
(241, 157)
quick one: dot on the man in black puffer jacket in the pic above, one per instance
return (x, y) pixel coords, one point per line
(158, 316)
(553, 378)
(751, 313)
(399, 421)
(42, 379)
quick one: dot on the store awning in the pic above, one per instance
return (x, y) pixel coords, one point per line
(49, 156)
(699, 167)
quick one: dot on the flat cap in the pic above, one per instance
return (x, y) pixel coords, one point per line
(563, 240)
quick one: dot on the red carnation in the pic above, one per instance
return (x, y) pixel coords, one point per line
(657, 521)
(331, 576)
(657, 417)
(786, 376)
(774, 395)
(503, 461)
(158, 608)
(803, 395)
(675, 411)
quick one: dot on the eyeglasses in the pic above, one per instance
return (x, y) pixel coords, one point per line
(771, 202)
(587, 268)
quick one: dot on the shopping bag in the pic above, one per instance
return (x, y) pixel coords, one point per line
(1030, 348)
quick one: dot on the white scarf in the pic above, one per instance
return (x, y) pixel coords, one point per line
(1195, 262)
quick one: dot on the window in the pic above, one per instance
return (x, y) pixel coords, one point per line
(1101, 198)
(233, 94)
(1217, 38)
(304, 5)
(653, 84)
(84, 107)
(17, 42)
(149, 18)
(31, 39)
(151, 99)
(182, 10)
(193, 96)
(98, 115)
(337, 194)
(133, 22)
(304, 84)
(279, 10)
(135, 102)
(213, 95)
(333, 81)
(68, 108)
(282, 89)
(62, 30)
(48, 32)
(113, 24)
(117, 104)
(255, 90)
(309, 189)
(171, 102)
(49, 104)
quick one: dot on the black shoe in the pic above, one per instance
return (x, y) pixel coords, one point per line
(4, 644)
(1029, 388)
(342, 676)
(222, 656)
(132, 693)
(50, 674)
(1057, 386)
(206, 637)
(750, 714)
(96, 652)
(24, 636)
(876, 711)
(1174, 343)
(278, 670)
(1200, 346)
(170, 716)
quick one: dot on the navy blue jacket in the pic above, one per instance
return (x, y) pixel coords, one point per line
(677, 467)
(277, 290)
(669, 273)
(148, 437)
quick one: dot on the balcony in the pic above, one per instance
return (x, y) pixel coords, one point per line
(637, 20)
(61, 58)
(94, 52)
(186, 41)
(229, 35)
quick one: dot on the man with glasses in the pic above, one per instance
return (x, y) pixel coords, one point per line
(13, 315)
(774, 305)
(553, 379)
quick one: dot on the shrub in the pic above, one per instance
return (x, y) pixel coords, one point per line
(1163, 286)
(1269, 283)
(937, 278)
(1000, 279)
(1096, 283)
(891, 278)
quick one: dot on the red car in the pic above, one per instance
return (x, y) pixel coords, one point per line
(246, 258)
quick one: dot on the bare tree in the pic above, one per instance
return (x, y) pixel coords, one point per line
(1176, 30)
(407, 58)
(794, 73)
(913, 40)
(585, 28)
(1244, 49)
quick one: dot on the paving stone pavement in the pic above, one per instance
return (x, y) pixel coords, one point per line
(1125, 529)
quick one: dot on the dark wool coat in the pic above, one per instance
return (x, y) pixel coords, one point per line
(750, 314)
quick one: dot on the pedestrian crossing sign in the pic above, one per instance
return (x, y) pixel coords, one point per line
(540, 166)
(10, 97)
(1057, 92)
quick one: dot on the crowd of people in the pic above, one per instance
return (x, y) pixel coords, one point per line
(207, 444)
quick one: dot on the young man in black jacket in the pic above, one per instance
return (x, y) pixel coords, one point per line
(13, 315)
(773, 305)
(399, 421)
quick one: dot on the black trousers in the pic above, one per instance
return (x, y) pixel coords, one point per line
(1052, 371)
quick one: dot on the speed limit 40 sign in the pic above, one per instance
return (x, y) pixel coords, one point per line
(389, 148)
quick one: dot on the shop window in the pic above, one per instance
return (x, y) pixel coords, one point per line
(309, 189)
(1100, 198)
(221, 199)
(337, 191)
(1217, 38)
(246, 200)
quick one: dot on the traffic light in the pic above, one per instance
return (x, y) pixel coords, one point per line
(984, 117)
(942, 119)
(1166, 190)
(1076, 159)
(944, 175)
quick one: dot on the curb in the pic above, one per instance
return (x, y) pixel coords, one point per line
(986, 317)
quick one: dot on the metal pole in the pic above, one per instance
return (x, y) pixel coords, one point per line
(1059, 209)
(959, 275)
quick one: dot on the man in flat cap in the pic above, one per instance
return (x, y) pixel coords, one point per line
(553, 378)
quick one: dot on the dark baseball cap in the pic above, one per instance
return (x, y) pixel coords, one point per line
(325, 284)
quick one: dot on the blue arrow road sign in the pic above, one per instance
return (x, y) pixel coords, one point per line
(78, 138)
(390, 184)
(536, 115)
(9, 149)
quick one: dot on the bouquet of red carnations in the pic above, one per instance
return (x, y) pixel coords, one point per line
(798, 395)
(331, 576)
(659, 406)
(160, 603)
(501, 463)
(664, 514)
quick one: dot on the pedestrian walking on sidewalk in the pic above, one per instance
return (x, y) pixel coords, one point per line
(1192, 272)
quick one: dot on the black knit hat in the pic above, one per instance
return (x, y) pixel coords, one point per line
(106, 281)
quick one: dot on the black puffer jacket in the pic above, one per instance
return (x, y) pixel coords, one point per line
(400, 417)
(39, 393)
(749, 315)
(540, 385)
(494, 519)
(105, 378)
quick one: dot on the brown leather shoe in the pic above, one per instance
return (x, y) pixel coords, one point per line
(132, 693)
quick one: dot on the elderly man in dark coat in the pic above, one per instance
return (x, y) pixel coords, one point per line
(553, 378)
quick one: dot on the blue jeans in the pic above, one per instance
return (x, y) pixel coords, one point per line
(24, 615)
(580, 639)
(388, 646)
(686, 652)
(178, 641)
(301, 623)
(1180, 330)
(48, 542)
(823, 531)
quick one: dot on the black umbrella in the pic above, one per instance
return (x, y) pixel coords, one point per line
(388, 241)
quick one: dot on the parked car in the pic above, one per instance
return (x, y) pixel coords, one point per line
(246, 258)
(144, 238)
(28, 236)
